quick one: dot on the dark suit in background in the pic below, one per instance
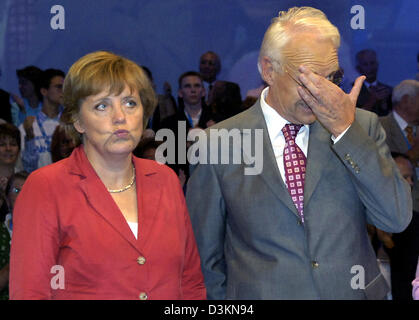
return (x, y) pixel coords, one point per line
(404, 254)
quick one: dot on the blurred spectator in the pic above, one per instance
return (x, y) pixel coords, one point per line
(29, 87)
(209, 67)
(146, 149)
(225, 100)
(166, 103)
(37, 130)
(192, 112)
(13, 188)
(374, 96)
(9, 153)
(62, 144)
(404, 251)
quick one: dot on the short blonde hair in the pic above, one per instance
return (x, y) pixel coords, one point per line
(288, 23)
(98, 71)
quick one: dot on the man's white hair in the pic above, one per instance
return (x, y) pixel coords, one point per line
(287, 24)
(406, 87)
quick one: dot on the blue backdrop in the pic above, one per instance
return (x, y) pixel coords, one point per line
(169, 36)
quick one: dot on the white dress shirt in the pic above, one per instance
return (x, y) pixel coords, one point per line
(275, 123)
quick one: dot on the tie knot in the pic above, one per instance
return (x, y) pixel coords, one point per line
(290, 131)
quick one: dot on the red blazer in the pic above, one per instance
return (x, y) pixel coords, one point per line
(65, 216)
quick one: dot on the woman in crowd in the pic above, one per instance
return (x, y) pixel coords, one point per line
(13, 188)
(103, 224)
(62, 144)
(9, 152)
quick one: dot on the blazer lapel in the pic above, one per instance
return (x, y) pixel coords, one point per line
(149, 192)
(270, 172)
(102, 202)
(318, 155)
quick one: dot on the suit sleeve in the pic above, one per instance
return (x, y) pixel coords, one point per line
(208, 218)
(35, 240)
(384, 192)
(193, 286)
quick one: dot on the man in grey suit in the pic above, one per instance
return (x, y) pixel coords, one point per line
(402, 129)
(402, 125)
(298, 229)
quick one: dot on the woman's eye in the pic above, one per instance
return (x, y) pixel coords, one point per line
(131, 103)
(100, 107)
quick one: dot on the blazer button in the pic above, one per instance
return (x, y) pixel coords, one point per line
(141, 260)
(143, 296)
(314, 264)
(347, 157)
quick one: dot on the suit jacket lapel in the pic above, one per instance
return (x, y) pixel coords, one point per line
(317, 158)
(270, 172)
(103, 203)
(397, 136)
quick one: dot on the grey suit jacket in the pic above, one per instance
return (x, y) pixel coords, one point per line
(397, 142)
(251, 241)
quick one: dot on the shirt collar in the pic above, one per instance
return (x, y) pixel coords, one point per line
(274, 121)
(42, 116)
(368, 85)
(400, 121)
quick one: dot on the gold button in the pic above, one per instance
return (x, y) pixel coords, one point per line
(314, 264)
(347, 156)
(141, 260)
(299, 222)
(143, 296)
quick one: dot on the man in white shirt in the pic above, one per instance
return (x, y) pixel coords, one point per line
(298, 229)
(37, 130)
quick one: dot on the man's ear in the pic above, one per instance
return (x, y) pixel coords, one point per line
(267, 70)
(180, 93)
(78, 126)
(43, 92)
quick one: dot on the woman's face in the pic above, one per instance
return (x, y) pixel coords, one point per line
(15, 188)
(111, 124)
(9, 150)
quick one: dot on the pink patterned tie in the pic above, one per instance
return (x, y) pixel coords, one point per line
(295, 167)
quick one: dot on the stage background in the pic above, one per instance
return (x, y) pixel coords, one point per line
(168, 36)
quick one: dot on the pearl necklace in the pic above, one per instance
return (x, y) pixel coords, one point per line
(126, 187)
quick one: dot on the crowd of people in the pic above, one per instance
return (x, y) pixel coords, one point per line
(120, 224)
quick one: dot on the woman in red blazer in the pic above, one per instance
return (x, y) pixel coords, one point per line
(103, 224)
